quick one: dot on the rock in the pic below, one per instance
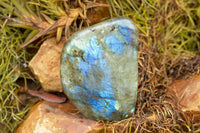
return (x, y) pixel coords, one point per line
(99, 69)
(47, 96)
(46, 117)
(46, 65)
(188, 95)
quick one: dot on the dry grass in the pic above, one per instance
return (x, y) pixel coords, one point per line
(169, 48)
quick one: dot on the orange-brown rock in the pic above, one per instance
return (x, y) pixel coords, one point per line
(188, 95)
(46, 65)
(46, 117)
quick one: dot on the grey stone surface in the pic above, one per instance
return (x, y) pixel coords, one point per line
(99, 69)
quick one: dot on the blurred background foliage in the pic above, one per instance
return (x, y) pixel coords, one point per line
(169, 48)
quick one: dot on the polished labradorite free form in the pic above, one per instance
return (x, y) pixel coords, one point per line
(99, 69)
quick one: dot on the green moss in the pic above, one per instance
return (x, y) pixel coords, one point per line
(171, 25)
(11, 62)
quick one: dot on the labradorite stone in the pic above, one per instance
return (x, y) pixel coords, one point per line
(99, 69)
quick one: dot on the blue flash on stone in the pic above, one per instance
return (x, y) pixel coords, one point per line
(99, 69)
